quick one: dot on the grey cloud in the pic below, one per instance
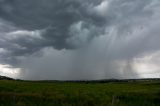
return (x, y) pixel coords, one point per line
(87, 38)
(54, 16)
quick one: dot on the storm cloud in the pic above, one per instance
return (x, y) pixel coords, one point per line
(80, 39)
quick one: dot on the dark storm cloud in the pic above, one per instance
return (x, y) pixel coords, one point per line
(54, 16)
(53, 21)
(58, 17)
(78, 38)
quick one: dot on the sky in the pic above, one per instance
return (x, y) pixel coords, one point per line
(79, 39)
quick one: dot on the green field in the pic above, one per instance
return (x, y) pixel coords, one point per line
(28, 93)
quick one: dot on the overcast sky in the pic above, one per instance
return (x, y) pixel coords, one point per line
(79, 39)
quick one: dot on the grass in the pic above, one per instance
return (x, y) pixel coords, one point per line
(28, 93)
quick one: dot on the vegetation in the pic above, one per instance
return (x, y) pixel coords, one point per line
(52, 93)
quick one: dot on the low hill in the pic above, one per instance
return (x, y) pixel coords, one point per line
(5, 78)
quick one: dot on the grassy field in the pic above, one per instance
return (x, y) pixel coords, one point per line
(27, 93)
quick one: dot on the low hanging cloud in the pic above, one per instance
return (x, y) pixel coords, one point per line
(80, 39)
